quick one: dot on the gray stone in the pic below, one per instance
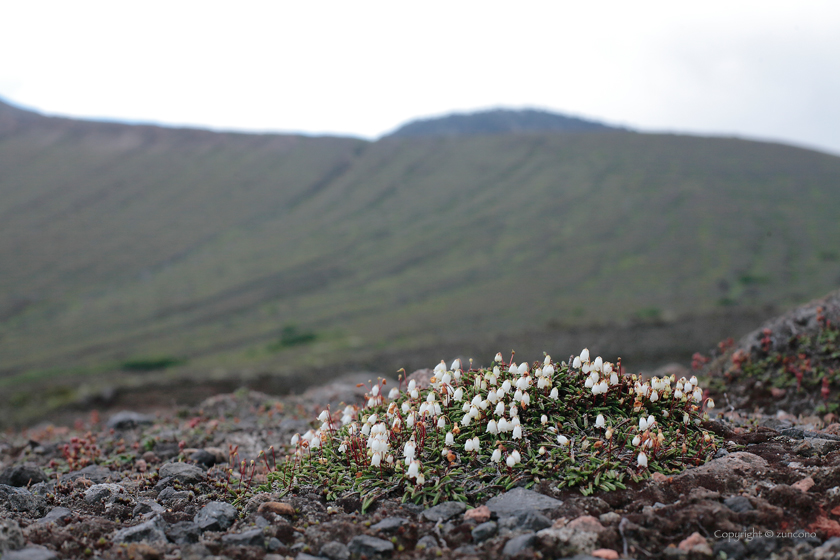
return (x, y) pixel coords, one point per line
(734, 550)
(519, 544)
(829, 550)
(300, 556)
(169, 495)
(738, 504)
(150, 531)
(254, 537)
(370, 546)
(195, 552)
(203, 457)
(182, 472)
(43, 488)
(11, 537)
(273, 544)
(609, 518)
(465, 550)
(722, 452)
(524, 520)
(22, 475)
(444, 511)
(144, 507)
(794, 433)
(427, 541)
(22, 500)
(216, 516)
(127, 420)
(335, 550)
(95, 473)
(31, 553)
(57, 515)
(389, 524)
(183, 532)
(521, 499)
(484, 531)
(99, 493)
(167, 450)
(823, 446)
(762, 547)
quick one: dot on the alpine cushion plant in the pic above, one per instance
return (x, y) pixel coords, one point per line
(478, 431)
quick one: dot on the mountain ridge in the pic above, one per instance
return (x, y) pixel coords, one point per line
(498, 121)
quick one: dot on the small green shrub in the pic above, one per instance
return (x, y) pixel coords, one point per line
(292, 336)
(151, 364)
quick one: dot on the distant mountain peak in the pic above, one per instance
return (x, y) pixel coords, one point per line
(498, 121)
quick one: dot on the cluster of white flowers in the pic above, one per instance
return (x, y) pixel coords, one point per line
(391, 432)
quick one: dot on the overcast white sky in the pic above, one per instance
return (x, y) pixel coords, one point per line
(758, 69)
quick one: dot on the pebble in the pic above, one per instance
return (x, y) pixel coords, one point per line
(738, 504)
(762, 547)
(21, 499)
(127, 420)
(335, 550)
(102, 493)
(203, 457)
(216, 516)
(56, 515)
(426, 542)
(804, 485)
(605, 553)
(519, 544)
(444, 511)
(254, 537)
(182, 472)
(484, 531)
(94, 473)
(829, 550)
(169, 495)
(389, 524)
(11, 537)
(609, 518)
(525, 520)
(31, 553)
(183, 532)
(278, 508)
(370, 546)
(479, 514)
(150, 531)
(696, 545)
(734, 550)
(521, 499)
(22, 475)
(144, 507)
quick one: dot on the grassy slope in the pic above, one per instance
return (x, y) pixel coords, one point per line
(137, 241)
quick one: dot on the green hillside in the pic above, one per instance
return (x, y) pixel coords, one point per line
(130, 248)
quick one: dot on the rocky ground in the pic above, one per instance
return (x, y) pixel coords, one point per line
(174, 485)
